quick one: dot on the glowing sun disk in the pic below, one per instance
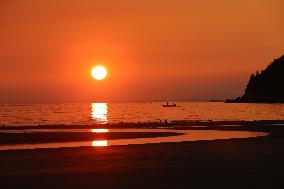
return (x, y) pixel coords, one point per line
(99, 72)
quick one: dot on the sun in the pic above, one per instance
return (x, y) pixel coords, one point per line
(99, 72)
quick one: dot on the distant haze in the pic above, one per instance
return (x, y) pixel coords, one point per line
(153, 49)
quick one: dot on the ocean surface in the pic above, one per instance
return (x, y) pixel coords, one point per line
(88, 113)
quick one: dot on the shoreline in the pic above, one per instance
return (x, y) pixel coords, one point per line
(256, 162)
(234, 163)
(174, 123)
(55, 137)
(76, 135)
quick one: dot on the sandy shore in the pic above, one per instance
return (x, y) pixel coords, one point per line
(32, 138)
(237, 163)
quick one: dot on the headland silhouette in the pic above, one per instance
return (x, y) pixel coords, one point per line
(265, 86)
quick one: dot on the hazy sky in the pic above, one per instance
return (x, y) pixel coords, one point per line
(153, 49)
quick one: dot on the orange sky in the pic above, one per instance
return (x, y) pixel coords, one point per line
(153, 49)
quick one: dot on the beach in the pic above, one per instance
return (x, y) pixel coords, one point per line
(236, 163)
(141, 94)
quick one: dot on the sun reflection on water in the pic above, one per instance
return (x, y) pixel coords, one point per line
(100, 130)
(99, 112)
(97, 143)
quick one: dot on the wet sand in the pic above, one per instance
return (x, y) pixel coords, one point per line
(32, 138)
(237, 163)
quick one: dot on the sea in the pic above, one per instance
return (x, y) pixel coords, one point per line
(102, 113)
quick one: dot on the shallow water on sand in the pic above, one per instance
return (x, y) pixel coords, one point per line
(185, 135)
(88, 113)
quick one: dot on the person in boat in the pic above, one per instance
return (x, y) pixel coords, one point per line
(169, 105)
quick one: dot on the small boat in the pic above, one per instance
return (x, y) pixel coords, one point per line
(169, 105)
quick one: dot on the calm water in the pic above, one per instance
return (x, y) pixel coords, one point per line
(87, 113)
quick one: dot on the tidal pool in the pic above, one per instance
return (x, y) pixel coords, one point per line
(184, 136)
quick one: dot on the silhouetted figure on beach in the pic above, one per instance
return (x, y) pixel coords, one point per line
(210, 121)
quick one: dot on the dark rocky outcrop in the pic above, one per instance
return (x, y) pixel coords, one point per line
(266, 86)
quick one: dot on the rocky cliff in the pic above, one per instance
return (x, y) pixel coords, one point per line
(266, 86)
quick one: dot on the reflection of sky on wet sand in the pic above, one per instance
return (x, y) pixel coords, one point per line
(99, 112)
(188, 135)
